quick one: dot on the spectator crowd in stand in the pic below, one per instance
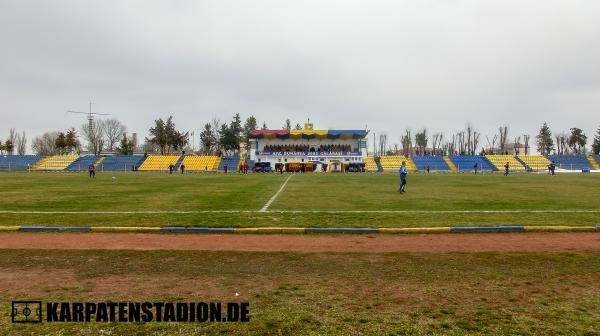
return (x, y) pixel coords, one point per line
(307, 148)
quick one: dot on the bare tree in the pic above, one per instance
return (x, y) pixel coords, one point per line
(462, 146)
(503, 130)
(21, 143)
(526, 143)
(476, 136)
(94, 136)
(561, 144)
(382, 143)
(517, 145)
(437, 142)
(407, 142)
(45, 144)
(469, 133)
(114, 131)
(491, 144)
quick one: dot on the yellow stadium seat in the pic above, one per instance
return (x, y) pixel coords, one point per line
(55, 162)
(201, 162)
(500, 160)
(370, 164)
(535, 162)
(159, 162)
(393, 163)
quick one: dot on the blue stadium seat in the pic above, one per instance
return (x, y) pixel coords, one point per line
(232, 163)
(18, 162)
(571, 162)
(121, 163)
(467, 162)
(83, 162)
(434, 163)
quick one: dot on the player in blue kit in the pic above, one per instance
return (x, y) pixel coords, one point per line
(403, 173)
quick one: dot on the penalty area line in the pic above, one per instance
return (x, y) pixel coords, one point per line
(266, 206)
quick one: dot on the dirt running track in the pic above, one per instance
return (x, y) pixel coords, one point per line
(527, 242)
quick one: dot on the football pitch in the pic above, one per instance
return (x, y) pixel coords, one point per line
(298, 200)
(436, 289)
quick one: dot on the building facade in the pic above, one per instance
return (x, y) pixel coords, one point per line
(309, 149)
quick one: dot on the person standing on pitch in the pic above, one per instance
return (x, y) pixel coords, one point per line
(92, 170)
(182, 167)
(403, 173)
(225, 167)
(475, 168)
(506, 166)
(552, 167)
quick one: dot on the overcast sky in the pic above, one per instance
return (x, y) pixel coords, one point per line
(386, 65)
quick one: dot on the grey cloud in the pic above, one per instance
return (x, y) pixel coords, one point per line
(344, 64)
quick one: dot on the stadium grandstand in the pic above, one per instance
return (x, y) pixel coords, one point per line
(431, 162)
(202, 162)
(83, 162)
(18, 162)
(467, 163)
(54, 162)
(371, 165)
(594, 161)
(309, 149)
(534, 162)
(500, 160)
(571, 162)
(159, 162)
(393, 162)
(120, 163)
(232, 162)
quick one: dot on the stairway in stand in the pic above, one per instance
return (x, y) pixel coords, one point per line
(593, 162)
(450, 164)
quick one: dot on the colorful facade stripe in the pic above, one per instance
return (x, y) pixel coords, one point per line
(298, 230)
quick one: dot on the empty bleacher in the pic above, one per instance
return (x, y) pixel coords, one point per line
(121, 163)
(232, 163)
(500, 160)
(18, 162)
(370, 164)
(593, 159)
(159, 162)
(467, 163)
(202, 162)
(433, 162)
(571, 162)
(83, 162)
(54, 162)
(393, 162)
(535, 162)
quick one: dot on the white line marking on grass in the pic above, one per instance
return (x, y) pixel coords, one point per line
(150, 212)
(266, 206)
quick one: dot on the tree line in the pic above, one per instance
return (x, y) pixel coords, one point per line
(225, 138)
(468, 142)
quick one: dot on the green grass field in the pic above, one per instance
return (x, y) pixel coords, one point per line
(319, 294)
(348, 200)
(310, 293)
